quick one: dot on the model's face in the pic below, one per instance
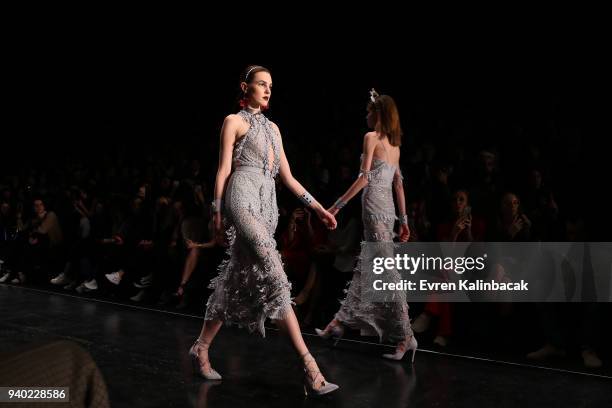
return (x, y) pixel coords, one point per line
(259, 90)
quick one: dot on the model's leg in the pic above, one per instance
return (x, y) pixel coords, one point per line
(290, 327)
(199, 350)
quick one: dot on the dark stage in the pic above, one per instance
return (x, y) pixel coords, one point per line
(142, 354)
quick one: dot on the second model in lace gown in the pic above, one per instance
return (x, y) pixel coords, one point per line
(252, 285)
(389, 320)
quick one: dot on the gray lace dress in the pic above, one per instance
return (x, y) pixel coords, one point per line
(251, 285)
(388, 320)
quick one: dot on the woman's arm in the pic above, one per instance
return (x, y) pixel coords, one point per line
(228, 138)
(369, 144)
(229, 132)
(400, 197)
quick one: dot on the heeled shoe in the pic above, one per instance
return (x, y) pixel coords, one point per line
(334, 331)
(195, 359)
(402, 348)
(314, 376)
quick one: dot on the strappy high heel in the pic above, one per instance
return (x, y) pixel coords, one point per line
(194, 352)
(313, 378)
(335, 331)
(402, 348)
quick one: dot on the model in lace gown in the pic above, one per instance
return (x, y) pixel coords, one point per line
(251, 285)
(380, 174)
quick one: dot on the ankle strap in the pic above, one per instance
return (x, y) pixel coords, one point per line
(309, 361)
(314, 373)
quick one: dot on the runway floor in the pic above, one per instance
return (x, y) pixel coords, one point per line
(142, 354)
